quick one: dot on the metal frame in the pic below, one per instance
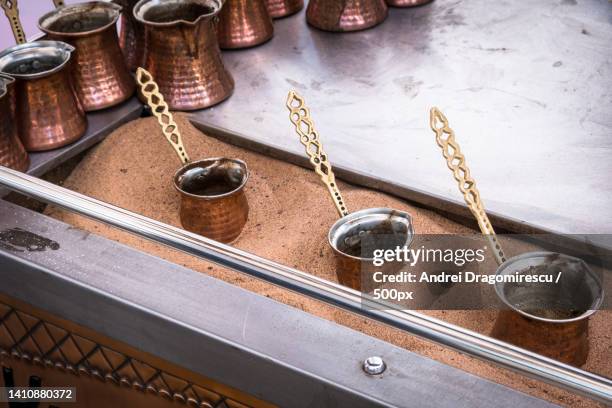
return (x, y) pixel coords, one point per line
(222, 332)
(472, 343)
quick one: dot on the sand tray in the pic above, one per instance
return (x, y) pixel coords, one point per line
(290, 216)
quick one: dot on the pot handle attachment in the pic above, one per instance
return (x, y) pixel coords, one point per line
(59, 3)
(455, 160)
(159, 108)
(304, 127)
(11, 10)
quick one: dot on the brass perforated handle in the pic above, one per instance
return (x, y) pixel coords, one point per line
(445, 137)
(304, 127)
(159, 108)
(11, 9)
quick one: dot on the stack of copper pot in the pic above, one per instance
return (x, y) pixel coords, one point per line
(79, 69)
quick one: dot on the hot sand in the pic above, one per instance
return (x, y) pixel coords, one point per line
(290, 215)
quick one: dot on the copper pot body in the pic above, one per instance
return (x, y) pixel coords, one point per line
(549, 319)
(283, 8)
(351, 228)
(346, 15)
(567, 342)
(244, 23)
(12, 152)
(182, 52)
(217, 216)
(101, 76)
(48, 112)
(407, 3)
(131, 35)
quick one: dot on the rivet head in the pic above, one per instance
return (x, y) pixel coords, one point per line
(374, 365)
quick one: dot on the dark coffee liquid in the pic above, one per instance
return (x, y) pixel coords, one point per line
(80, 22)
(568, 298)
(34, 65)
(362, 241)
(177, 11)
(211, 186)
(212, 180)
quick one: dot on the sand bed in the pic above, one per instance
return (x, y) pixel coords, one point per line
(289, 220)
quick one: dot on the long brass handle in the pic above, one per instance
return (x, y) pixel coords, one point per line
(11, 9)
(304, 127)
(445, 137)
(159, 108)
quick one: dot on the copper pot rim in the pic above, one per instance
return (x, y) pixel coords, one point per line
(368, 213)
(57, 46)
(595, 306)
(5, 82)
(70, 9)
(218, 4)
(195, 163)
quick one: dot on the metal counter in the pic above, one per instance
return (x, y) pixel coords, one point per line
(526, 85)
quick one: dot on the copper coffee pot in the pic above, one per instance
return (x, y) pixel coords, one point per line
(407, 3)
(352, 235)
(182, 52)
(548, 318)
(213, 201)
(12, 152)
(48, 112)
(244, 23)
(283, 8)
(346, 15)
(101, 76)
(131, 35)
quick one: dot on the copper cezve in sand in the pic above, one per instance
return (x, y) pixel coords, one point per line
(12, 152)
(547, 318)
(353, 235)
(346, 15)
(283, 8)
(244, 23)
(48, 111)
(101, 77)
(213, 202)
(182, 52)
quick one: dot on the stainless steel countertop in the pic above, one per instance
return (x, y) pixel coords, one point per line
(526, 85)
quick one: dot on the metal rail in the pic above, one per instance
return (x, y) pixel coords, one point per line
(460, 339)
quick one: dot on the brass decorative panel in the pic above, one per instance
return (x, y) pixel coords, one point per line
(31, 343)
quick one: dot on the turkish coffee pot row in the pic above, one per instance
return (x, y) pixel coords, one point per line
(247, 23)
(49, 85)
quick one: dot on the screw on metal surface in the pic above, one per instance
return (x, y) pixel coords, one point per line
(374, 365)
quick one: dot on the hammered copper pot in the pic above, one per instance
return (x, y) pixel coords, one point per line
(213, 202)
(12, 152)
(283, 8)
(346, 15)
(101, 76)
(407, 3)
(244, 23)
(351, 235)
(182, 51)
(551, 319)
(48, 111)
(131, 35)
